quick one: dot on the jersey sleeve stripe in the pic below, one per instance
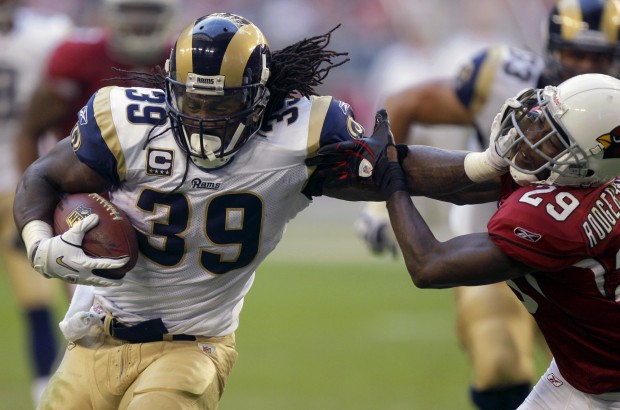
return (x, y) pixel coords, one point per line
(485, 79)
(318, 112)
(107, 128)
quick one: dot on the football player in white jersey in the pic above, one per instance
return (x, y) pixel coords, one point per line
(210, 168)
(27, 37)
(492, 326)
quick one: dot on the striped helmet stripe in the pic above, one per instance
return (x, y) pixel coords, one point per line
(610, 20)
(183, 58)
(242, 46)
(571, 18)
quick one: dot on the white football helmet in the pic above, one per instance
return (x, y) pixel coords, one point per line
(579, 120)
(140, 30)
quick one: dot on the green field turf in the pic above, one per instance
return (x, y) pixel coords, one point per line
(326, 326)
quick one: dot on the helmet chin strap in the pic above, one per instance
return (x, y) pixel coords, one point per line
(522, 178)
(235, 138)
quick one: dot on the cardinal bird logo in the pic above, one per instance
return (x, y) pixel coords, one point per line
(611, 143)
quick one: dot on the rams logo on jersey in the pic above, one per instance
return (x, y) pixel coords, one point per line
(354, 128)
(76, 138)
(611, 143)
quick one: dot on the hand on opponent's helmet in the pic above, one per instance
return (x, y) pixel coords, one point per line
(359, 162)
(481, 166)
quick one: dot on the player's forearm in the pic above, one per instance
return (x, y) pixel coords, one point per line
(440, 174)
(432, 171)
(430, 263)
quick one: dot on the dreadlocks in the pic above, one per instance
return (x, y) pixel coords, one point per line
(299, 68)
(155, 79)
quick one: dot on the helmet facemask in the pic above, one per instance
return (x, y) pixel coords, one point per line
(542, 152)
(213, 123)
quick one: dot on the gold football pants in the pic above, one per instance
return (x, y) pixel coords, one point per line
(101, 372)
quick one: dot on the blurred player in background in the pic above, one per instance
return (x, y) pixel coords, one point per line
(26, 39)
(135, 36)
(494, 328)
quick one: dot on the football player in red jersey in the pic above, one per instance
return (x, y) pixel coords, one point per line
(494, 329)
(552, 164)
(136, 36)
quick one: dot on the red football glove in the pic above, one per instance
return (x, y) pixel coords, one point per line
(351, 162)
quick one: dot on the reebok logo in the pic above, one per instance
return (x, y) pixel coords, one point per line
(527, 235)
(554, 380)
(83, 116)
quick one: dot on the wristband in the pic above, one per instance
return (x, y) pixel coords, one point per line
(477, 169)
(393, 180)
(33, 233)
(402, 150)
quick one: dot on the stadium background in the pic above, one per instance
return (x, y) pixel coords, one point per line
(327, 325)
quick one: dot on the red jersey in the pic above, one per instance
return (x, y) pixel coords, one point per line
(79, 66)
(572, 236)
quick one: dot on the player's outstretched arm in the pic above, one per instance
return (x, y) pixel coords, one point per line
(345, 170)
(465, 260)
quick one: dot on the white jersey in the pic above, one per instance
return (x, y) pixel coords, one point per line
(483, 85)
(491, 77)
(201, 243)
(23, 54)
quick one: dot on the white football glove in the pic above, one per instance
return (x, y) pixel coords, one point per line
(374, 228)
(499, 144)
(62, 257)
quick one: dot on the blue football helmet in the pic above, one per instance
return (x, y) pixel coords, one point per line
(589, 32)
(216, 87)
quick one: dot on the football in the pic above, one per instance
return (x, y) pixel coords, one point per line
(113, 237)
